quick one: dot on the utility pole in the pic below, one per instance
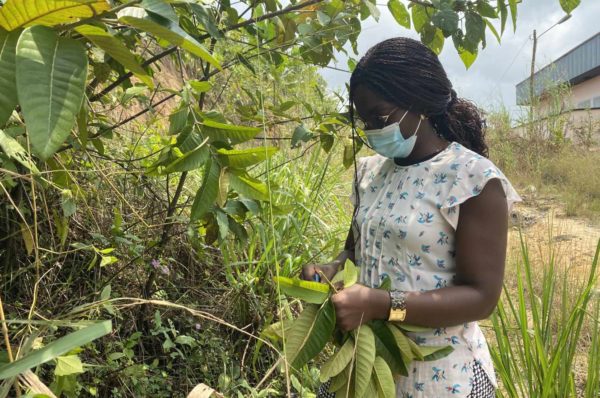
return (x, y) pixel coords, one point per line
(531, 77)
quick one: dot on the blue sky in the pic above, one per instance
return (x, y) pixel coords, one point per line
(491, 80)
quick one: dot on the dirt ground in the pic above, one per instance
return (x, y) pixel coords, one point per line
(542, 220)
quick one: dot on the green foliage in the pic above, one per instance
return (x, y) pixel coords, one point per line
(56, 348)
(534, 334)
(59, 68)
(369, 357)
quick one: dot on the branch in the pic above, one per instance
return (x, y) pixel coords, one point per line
(163, 54)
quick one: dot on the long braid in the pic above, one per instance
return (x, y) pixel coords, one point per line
(405, 72)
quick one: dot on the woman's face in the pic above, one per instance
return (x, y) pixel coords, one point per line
(376, 113)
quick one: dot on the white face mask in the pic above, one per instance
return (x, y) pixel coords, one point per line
(389, 141)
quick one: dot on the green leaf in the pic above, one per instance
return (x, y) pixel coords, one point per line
(311, 292)
(8, 87)
(341, 380)
(386, 283)
(228, 133)
(569, 5)
(161, 8)
(208, 191)
(387, 348)
(416, 350)
(301, 133)
(248, 186)
(310, 333)
(503, 14)
(68, 365)
(467, 57)
(365, 357)
(199, 86)
(399, 13)
(244, 61)
(56, 348)
(373, 10)
(386, 387)
(58, 65)
(178, 120)
(348, 157)
(115, 48)
(241, 158)
(447, 20)
(206, 19)
(475, 31)
(14, 150)
(350, 273)
(191, 160)
(412, 328)
(21, 13)
(167, 30)
(432, 353)
(338, 362)
(277, 330)
(402, 343)
(437, 42)
(486, 10)
(492, 28)
(419, 16)
(513, 12)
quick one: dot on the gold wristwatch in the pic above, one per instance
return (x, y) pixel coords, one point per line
(398, 307)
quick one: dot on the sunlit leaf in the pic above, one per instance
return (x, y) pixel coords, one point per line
(311, 292)
(228, 133)
(399, 13)
(23, 13)
(115, 48)
(67, 365)
(248, 186)
(167, 30)
(14, 150)
(569, 5)
(58, 66)
(241, 158)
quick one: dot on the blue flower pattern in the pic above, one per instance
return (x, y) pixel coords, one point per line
(406, 224)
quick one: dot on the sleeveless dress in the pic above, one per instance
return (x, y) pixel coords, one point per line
(405, 224)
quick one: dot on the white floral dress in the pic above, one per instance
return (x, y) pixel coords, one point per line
(405, 225)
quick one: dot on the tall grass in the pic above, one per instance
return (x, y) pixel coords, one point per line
(543, 329)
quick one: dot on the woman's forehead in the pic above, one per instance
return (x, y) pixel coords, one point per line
(368, 102)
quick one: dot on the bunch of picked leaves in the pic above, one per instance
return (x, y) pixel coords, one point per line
(368, 359)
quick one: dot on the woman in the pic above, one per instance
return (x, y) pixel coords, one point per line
(431, 213)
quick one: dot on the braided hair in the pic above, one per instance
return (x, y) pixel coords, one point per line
(406, 73)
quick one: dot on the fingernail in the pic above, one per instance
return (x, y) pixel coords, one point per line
(317, 278)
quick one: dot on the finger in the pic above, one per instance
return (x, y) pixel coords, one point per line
(308, 272)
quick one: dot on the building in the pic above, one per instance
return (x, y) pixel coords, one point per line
(580, 68)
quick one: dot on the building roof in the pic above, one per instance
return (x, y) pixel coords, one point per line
(578, 64)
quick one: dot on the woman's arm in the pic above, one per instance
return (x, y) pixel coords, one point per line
(480, 242)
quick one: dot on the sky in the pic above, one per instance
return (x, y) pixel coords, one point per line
(491, 80)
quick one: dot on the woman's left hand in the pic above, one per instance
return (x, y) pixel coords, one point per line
(359, 304)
